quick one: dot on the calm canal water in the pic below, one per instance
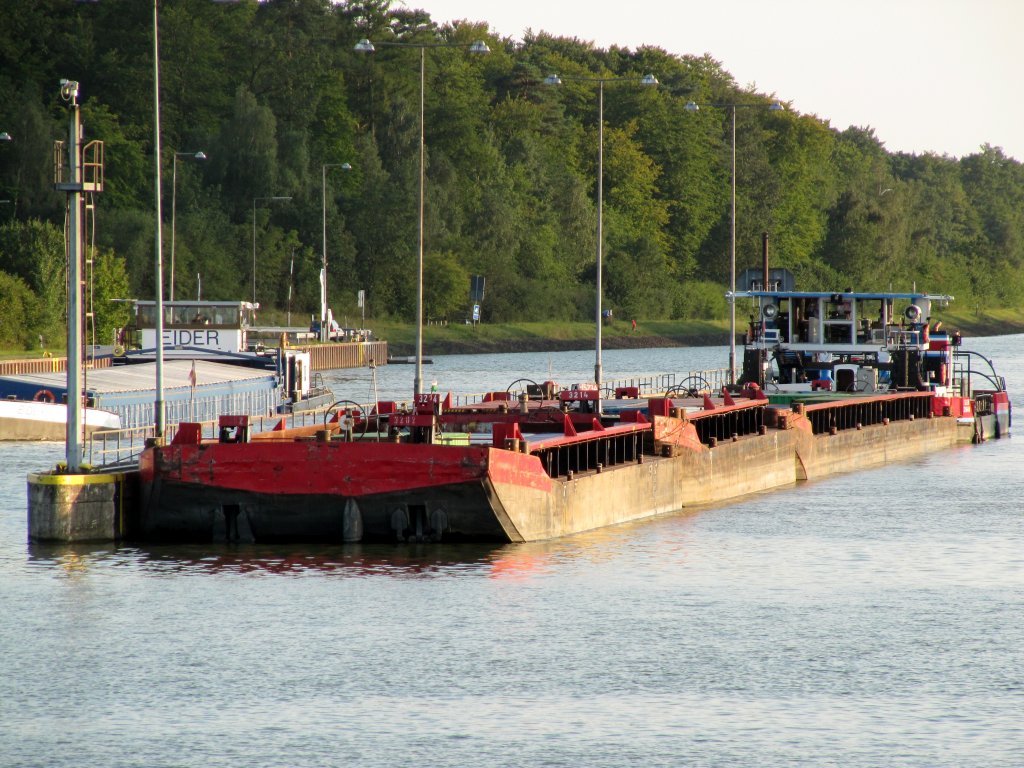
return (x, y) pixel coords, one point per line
(866, 620)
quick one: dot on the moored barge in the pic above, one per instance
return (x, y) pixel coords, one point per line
(522, 471)
(831, 382)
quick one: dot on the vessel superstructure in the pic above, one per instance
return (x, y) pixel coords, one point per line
(852, 342)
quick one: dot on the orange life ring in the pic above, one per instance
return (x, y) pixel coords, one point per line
(44, 396)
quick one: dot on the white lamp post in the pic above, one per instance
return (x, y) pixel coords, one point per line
(556, 80)
(775, 106)
(174, 204)
(365, 46)
(324, 330)
(159, 420)
(254, 201)
(5, 136)
(159, 415)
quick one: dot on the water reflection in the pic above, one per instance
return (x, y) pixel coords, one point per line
(348, 560)
(345, 560)
(517, 562)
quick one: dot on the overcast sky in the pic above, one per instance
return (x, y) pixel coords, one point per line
(928, 75)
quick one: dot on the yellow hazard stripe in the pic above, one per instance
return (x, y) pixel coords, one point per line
(69, 479)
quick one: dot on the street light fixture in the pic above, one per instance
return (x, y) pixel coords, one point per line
(365, 46)
(324, 325)
(254, 201)
(174, 203)
(775, 106)
(556, 80)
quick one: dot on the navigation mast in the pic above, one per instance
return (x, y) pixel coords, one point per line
(83, 174)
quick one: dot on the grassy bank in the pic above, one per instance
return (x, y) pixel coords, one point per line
(988, 323)
(527, 337)
(533, 337)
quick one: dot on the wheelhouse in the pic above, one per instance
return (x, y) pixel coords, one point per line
(809, 320)
(220, 326)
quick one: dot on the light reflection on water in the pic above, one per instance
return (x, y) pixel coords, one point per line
(868, 619)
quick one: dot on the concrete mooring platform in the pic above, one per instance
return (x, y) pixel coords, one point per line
(80, 507)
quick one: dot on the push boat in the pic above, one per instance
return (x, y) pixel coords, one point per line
(856, 344)
(540, 461)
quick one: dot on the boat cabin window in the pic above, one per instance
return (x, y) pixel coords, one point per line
(180, 314)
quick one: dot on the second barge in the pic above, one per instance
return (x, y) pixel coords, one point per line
(520, 474)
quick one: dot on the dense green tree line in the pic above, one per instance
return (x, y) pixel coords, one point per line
(273, 91)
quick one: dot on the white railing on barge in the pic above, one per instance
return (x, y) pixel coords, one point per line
(648, 385)
(122, 447)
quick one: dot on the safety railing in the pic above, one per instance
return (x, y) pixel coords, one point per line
(647, 385)
(971, 369)
(836, 416)
(721, 425)
(593, 452)
(121, 447)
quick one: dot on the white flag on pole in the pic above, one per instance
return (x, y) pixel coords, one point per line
(323, 295)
